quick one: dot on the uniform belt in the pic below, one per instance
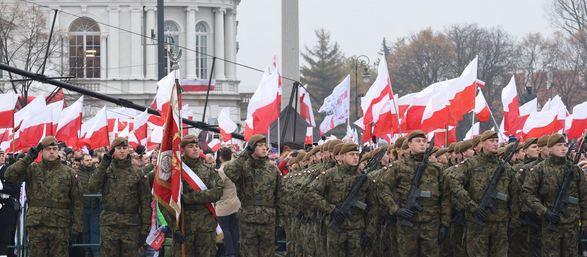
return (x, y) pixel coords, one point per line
(48, 204)
(121, 210)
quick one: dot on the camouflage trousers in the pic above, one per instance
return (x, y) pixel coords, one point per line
(525, 241)
(419, 240)
(290, 236)
(48, 241)
(119, 241)
(560, 243)
(487, 240)
(257, 240)
(201, 244)
(456, 240)
(346, 243)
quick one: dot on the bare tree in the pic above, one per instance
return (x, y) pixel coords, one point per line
(24, 41)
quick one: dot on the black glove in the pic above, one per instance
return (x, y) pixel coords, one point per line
(34, 151)
(107, 157)
(165, 230)
(337, 216)
(442, 233)
(178, 237)
(404, 213)
(364, 240)
(552, 217)
(140, 149)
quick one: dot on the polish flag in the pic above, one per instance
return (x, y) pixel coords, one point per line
(264, 105)
(511, 107)
(525, 111)
(411, 108)
(55, 109)
(541, 123)
(33, 128)
(154, 138)
(6, 137)
(226, 125)
(70, 123)
(7, 104)
(162, 97)
(576, 123)
(557, 105)
(482, 111)
(451, 99)
(306, 106)
(379, 107)
(28, 111)
(309, 139)
(215, 145)
(473, 131)
(95, 131)
(140, 127)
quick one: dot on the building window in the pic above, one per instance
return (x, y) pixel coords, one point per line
(84, 48)
(202, 50)
(172, 40)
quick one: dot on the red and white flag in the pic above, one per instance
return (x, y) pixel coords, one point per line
(309, 139)
(379, 108)
(167, 186)
(95, 131)
(264, 105)
(482, 111)
(140, 128)
(226, 125)
(463, 93)
(306, 106)
(215, 145)
(525, 111)
(557, 105)
(33, 128)
(196, 85)
(511, 107)
(541, 123)
(473, 131)
(70, 123)
(162, 97)
(7, 104)
(336, 106)
(55, 109)
(576, 123)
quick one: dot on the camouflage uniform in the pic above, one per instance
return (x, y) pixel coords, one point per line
(258, 187)
(455, 245)
(525, 238)
(330, 190)
(422, 238)
(384, 242)
(55, 204)
(200, 224)
(125, 218)
(541, 188)
(468, 184)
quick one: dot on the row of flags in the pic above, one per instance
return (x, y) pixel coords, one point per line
(436, 109)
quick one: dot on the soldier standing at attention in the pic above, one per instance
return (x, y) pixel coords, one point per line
(468, 183)
(330, 190)
(541, 188)
(55, 200)
(199, 221)
(258, 185)
(125, 218)
(422, 232)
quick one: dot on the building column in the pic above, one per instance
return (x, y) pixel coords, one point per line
(230, 44)
(136, 50)
(103, 51)
(113, 43)
(219, 42)
(190, 32)
(151, 47)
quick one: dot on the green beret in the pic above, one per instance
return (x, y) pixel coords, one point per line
(348, 147)
(119, 141)
(49, 141)
(254, 139)
(555, 139)
(416, 133)
(542, 141)
(487, 134)
(188, 139)
(529, 142)
(399, 142)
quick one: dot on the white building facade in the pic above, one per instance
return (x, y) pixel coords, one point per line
(110, 47)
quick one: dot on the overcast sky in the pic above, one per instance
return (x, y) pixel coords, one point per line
(359, 25)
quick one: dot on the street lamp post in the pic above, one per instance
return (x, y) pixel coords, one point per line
(364, 61)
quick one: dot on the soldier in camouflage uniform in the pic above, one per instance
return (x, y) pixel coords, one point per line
(288, 190)
(525, 235)
(541, 188)
(55, 201)
(430, 226)
(380, 245)
(258, 185)
(92, 206)
(199, 222)
(125, 218)
(471, 178)
(330, 190)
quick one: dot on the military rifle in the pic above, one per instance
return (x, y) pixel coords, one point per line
(351, 199)
(486, 202)
(562, 198)
(415, 192)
